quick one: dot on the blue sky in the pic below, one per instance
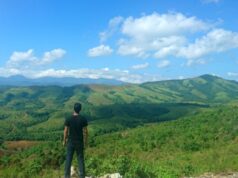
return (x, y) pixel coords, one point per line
(129, 40)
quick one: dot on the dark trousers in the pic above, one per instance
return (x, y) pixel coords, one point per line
(71, 148)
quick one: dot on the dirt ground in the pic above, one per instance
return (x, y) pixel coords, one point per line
(22, 144)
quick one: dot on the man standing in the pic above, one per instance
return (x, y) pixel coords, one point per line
(76, 137)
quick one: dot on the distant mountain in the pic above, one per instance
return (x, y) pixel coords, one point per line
(19, 80)
(205, 88)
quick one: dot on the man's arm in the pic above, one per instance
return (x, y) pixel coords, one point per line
(85, 135)
(66, 130)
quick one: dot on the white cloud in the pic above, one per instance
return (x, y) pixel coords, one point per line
(117, 74)
(113, 26)
(130, 50)
(163, 64)
(18, 57)
(50, 56)
(217, 40)
(140, 66)
(169, 46)
(27, 59)
(101, 50)
(170, 34)
(161, 25)
(158, 35)
(232, 74)
(6, 72)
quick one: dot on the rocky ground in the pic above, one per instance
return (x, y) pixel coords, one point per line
(221, 175)
(114, 175)
(74, 174)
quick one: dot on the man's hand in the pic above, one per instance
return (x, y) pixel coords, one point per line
(85, 144)
(85, 137)
(64, 142)
(66, 130)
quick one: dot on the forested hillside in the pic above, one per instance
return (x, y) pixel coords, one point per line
(160, 129)
(38, 112)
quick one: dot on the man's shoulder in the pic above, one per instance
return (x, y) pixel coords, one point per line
(82, 116)
(68, 119)
(67, 115)
(84, 120)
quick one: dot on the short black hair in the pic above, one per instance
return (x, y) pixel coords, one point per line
(77, 107)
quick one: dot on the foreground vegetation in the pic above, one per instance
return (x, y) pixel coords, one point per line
(206, 141)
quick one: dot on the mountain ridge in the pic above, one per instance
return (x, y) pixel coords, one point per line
(20, 80)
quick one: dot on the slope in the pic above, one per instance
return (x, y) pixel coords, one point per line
(38, 112)
(191, 145)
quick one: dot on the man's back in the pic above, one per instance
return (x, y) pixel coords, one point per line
(76, 124)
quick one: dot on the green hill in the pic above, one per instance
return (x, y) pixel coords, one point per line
(127, 129)
(38, 112)
(205, 89)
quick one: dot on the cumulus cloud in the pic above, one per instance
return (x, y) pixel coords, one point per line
(50, 56)
(169, 34)
(27, 64)
(101, 50)
(162, 35)
(140, 66)
(163, 64)
(18, 57)
(117, 74)
(161, 25)
(217, 40)
(169, 46)
(157, 33)
(26, 59)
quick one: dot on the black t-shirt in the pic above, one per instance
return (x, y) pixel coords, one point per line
(76, 124)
